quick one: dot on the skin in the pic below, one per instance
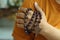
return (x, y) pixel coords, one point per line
(58, 1)
(50, 32)
(47, 30)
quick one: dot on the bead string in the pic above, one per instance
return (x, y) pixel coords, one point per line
(35, 20)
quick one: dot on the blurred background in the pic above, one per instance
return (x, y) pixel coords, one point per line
(8, 10)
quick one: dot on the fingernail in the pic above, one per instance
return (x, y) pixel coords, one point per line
(36, 4)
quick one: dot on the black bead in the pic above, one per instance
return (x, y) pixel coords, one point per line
(36, 18)
(36, 14)
(32, 19)
(27, 31)
(28, 25)
(30, 22)
(38, 21)
(32, 16)
(28, 9)
(33, 13)
(25, 17)
(24, 21)
(40, 17)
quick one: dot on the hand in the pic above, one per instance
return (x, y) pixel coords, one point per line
(47, 30)
(43, 20)
(21, 16)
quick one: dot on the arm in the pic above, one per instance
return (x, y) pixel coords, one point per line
(50, 32)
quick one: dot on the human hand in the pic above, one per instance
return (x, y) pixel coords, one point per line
(30, 13)
(43, 20)
(47, 30)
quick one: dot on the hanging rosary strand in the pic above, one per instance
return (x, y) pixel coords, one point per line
(33, 24)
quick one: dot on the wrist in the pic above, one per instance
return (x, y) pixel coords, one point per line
(44, 28)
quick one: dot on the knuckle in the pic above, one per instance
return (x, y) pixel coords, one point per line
(20, 15)
(20, 21)
(20, 25)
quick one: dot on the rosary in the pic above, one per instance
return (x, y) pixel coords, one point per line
(33, 24)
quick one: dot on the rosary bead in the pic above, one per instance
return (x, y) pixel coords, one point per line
(27, 31)
(34, 21)
(28, 10)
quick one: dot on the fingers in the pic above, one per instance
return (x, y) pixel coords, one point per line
(20, 21)
(20, 25)
(23, 9)
(20, 15)
(27, 11)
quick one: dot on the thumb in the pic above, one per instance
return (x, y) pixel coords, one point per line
(40, 10)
